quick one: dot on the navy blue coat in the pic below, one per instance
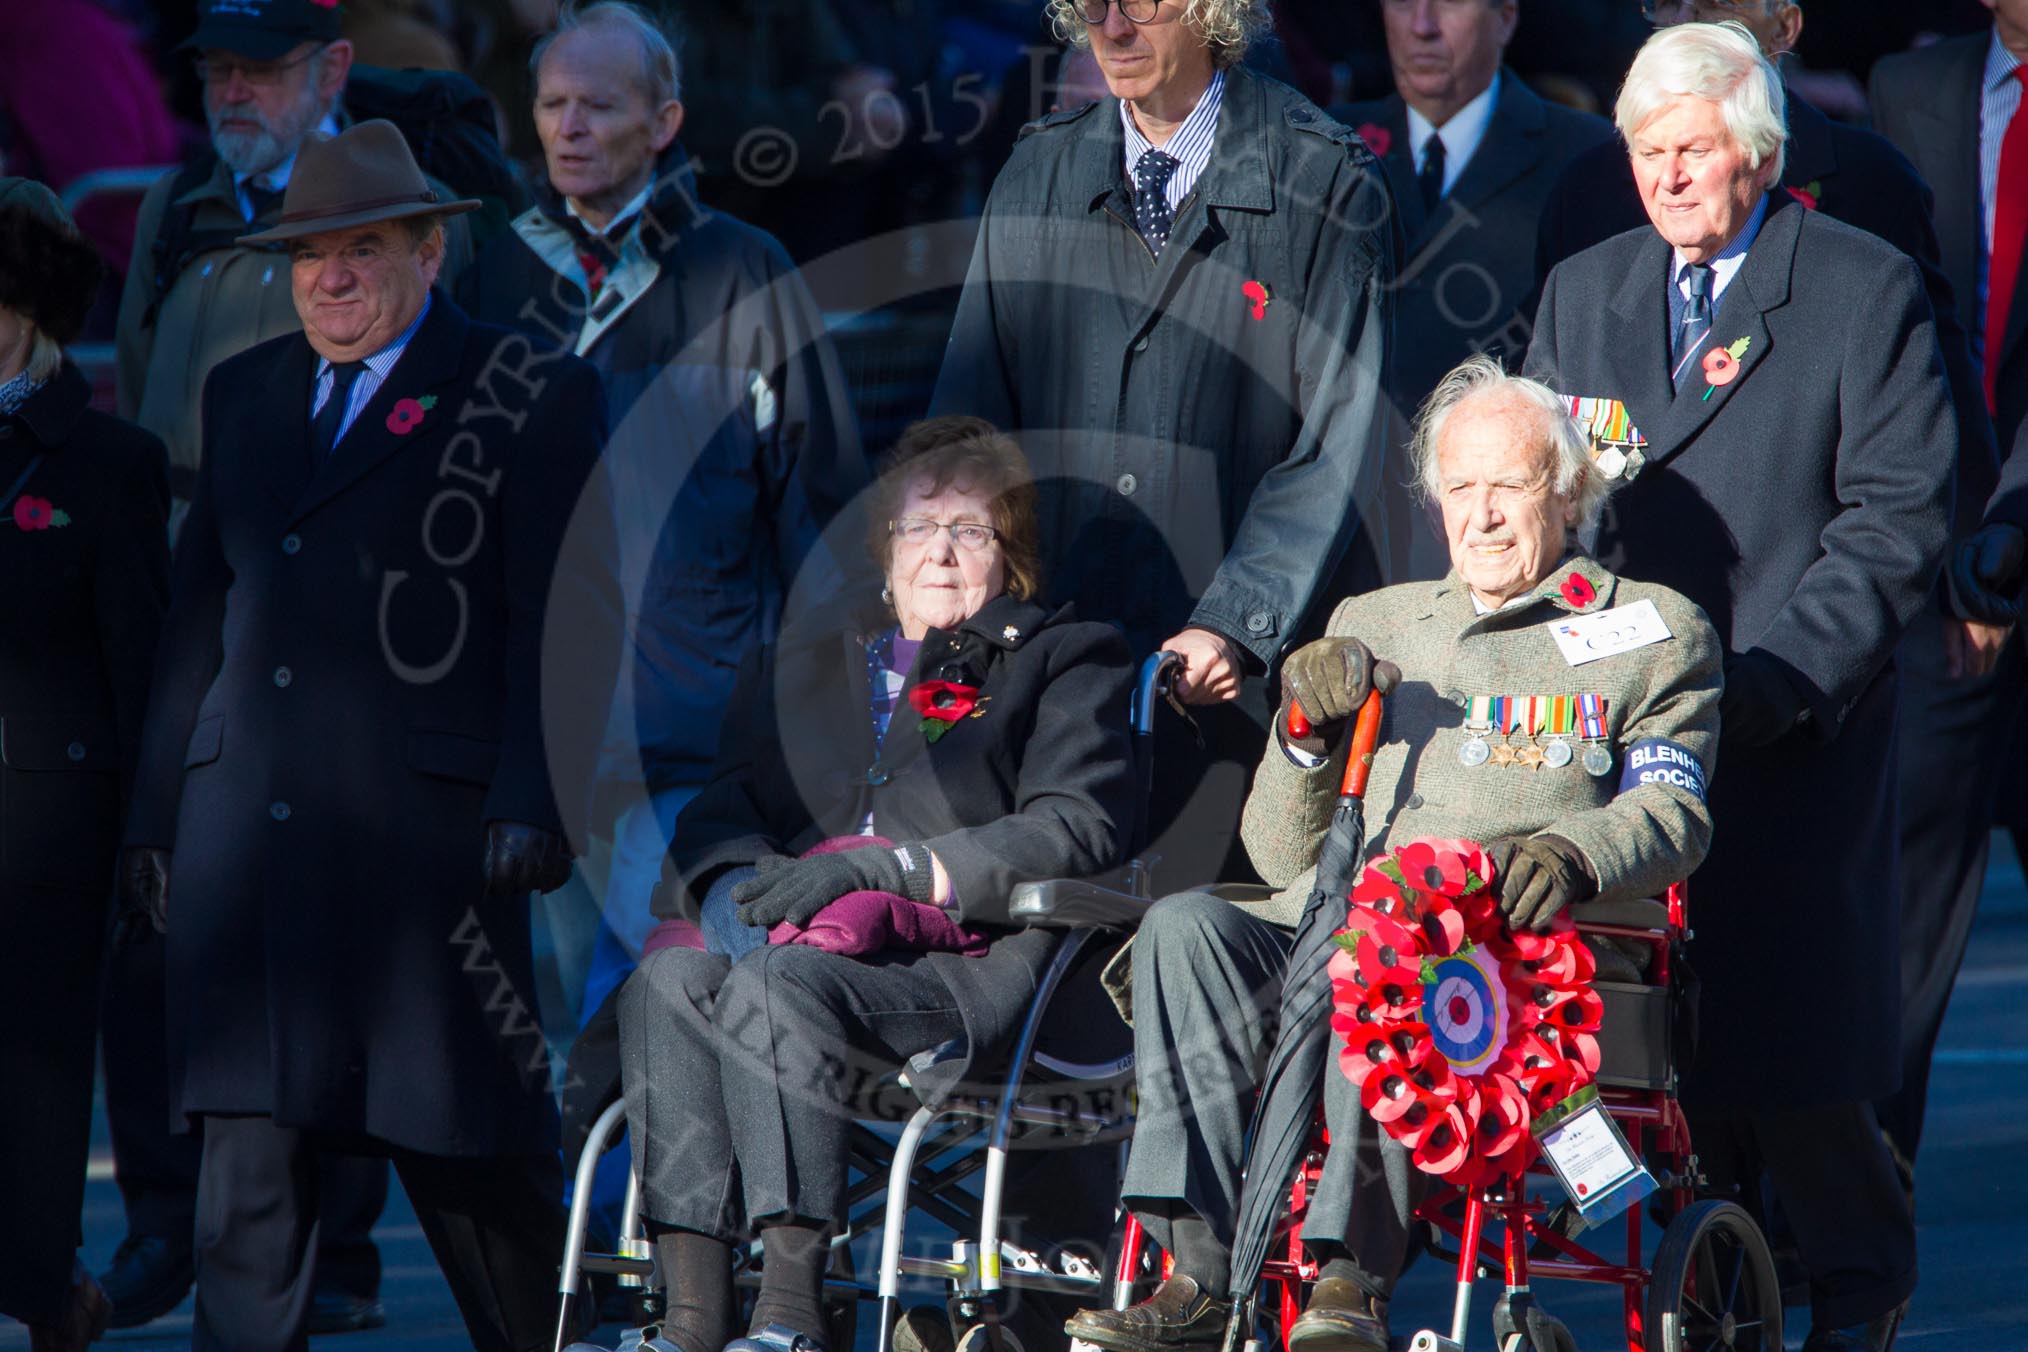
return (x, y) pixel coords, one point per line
(1468, 282)
(1039, 785)
(1202, 459)
(1851, 175)
(733, 442)
(1805, 507)
(362, 667)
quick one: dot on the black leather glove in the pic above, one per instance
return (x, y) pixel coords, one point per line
(796, 889)
(1760, 704)
(521, 858)
(1538, 877)
(1986, 574)
(143, 893)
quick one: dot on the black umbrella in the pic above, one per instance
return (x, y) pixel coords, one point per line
(1289, 1088)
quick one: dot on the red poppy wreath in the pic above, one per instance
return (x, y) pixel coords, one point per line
(1456, 1031)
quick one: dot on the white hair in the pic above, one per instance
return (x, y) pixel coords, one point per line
(1720, 62)
(1481, 378)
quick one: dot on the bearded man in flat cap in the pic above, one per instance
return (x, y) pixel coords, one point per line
(351, 772)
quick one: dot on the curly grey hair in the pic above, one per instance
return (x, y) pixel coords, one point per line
(1228, 27)
(1482, 377)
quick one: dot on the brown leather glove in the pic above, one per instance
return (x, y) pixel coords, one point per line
(143, 893)
(1538, 877)
(1330, 678)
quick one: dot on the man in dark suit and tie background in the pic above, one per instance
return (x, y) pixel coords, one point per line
(357, 764)
(1799, 440)
(1471, 153)
(1955, 108)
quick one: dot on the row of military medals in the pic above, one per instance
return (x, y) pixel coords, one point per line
(1548, 722)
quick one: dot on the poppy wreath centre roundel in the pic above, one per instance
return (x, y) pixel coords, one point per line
(1457, 1031)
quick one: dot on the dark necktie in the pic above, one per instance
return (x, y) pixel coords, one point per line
(2010, 239)
(262, 199)
(1151, 202)
(324, 427)
(1696, 325)
(1431, 178)
(596, 254)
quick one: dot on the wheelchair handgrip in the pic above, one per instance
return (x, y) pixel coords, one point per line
(1365, 736)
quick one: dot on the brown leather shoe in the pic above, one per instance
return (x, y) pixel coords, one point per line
(1340, 1317)
(1178, 1316)
(83, 1320)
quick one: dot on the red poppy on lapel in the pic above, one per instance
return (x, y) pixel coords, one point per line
(1376, 136)
(1577, 590)
(1809, 193)
(942, 703)
(37, 514)
(408, 414)
(1260, 295)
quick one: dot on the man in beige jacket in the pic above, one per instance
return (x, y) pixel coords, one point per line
(1563, 716)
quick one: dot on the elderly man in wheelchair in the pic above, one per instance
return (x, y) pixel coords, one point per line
(1532, 696)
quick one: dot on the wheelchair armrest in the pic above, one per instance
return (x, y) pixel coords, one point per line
(1068, 903)
(1633, 913)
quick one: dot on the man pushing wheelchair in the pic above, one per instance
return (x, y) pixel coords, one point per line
(1536, 702)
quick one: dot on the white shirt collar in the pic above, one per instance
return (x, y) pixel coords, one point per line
(621, 218)
(1461, 134)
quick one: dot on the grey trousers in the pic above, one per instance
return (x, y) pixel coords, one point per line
(741, 1077)
(1207, 984)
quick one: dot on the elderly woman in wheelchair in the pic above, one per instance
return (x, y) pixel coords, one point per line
(1564, 716)
(886, 777)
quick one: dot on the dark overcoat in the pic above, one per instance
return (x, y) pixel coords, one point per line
(733, 442)
(1804, 506)
(351, 686)
(1468, 280)
(1038, 785)
(1851, 175)
(1208, 430)
(84, 546)
(1927, 103)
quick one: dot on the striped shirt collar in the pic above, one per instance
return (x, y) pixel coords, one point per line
(1190, 146)
(381, 362)
(2000, 63)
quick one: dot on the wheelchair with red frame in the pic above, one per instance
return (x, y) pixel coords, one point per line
(1710, 1283)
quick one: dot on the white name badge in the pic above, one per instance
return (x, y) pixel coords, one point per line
(1586, 638)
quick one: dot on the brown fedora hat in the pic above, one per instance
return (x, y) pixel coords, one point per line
(362, 175)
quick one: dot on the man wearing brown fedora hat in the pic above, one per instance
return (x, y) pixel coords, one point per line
(359, 758)
(273, 74)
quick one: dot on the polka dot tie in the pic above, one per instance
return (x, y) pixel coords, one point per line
(1151, 202)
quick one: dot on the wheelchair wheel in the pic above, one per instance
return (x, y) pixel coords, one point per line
(1713, 1285)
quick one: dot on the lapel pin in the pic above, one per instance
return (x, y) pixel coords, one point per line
(1010, 633)
(1377, 138)
(1577, 590)
(407, 414)
(1260, 295)
(1721, 365)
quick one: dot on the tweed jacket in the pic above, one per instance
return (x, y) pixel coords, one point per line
(1637, 837)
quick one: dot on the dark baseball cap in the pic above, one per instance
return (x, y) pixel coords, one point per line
(262, 30)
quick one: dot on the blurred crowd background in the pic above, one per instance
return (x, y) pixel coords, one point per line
(825, 122)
